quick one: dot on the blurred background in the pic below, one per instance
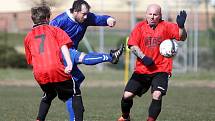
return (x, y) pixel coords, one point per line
(193, 74)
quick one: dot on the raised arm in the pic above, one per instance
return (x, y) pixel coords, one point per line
(100, 20)
(180, 19)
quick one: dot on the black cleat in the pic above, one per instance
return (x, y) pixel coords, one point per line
(115, 54)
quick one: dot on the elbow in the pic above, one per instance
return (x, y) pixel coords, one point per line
(183, 37)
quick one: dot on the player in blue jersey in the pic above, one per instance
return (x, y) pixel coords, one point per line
(75, 22)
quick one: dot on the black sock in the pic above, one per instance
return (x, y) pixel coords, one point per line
(78, 108)
(126, 105)
(155, 108)
(43, 110)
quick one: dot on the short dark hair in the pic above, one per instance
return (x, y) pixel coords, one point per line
(77, 5)
(40, 14)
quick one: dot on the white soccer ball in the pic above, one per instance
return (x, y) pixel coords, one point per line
(169, 48)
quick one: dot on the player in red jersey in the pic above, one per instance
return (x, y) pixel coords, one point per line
(152, 69)
(44, 47)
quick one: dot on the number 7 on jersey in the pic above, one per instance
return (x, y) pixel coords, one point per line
(42, 37)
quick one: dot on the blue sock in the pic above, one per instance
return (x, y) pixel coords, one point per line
(95, 58)
(70, 109)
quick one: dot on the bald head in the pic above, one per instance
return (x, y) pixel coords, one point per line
(153, 14)
(154, 7)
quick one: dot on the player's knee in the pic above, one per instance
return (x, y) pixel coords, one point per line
(157, 95)
(128, 95)
(81, 57)
(47, 98)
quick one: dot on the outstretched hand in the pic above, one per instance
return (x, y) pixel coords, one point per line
(111, 22)
(181, 18)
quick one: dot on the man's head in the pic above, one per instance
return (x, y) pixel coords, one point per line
(80, 9)
(153, 15)
(40, 14)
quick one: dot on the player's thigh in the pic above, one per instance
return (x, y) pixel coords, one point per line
(76, 72)
(77, 75)
(49, 92)
(160, 82)
(48, 88)
(137, 84)
(66, 89)
(74, 55)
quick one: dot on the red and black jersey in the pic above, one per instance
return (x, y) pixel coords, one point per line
(43, 52)
(148, 40)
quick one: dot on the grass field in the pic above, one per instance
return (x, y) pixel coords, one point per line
(190, 97)
(103, 104)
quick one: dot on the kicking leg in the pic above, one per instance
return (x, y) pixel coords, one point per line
(96, 58)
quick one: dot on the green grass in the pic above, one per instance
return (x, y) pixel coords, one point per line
(12, 39)
(107, 73)
(193, 76)
(182, 103)
(111, 38)
(15, 74)
(103, 104)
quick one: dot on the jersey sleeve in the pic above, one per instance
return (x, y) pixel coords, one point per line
(63, 38)
(96, 20)
(134, 36)
(27, 51)
(58, 22)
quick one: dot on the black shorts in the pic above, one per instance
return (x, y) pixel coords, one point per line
(140, 83)
(64, 90)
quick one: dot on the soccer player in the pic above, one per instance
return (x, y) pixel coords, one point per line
(75, 22)
(152, 69)
(44, 47)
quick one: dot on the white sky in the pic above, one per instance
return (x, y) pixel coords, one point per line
(13, 6)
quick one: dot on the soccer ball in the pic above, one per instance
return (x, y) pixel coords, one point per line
(169, 48)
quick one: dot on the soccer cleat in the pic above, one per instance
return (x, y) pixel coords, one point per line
(122, 119)
(115, 54)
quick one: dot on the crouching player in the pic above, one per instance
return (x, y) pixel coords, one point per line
(44, 47)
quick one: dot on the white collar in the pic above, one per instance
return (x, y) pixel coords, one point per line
(70, 15)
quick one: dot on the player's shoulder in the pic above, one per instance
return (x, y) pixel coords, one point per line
(28, 36)
(63, 14)
(60, 17)
(54, 28)
(141, 23)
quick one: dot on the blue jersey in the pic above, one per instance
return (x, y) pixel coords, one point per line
(76, 30)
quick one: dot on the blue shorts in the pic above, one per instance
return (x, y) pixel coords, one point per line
(76, 73)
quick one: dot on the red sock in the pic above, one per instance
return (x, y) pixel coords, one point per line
(150, 119)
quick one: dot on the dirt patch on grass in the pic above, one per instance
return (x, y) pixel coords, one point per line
(103, 83)
(18, 83)
(202, 83)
